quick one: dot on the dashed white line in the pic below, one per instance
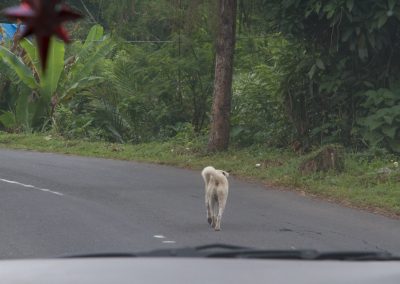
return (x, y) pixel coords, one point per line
(31, 187)
(164, 237)
(159, 236)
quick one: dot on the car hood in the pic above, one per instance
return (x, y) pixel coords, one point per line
(196, 270)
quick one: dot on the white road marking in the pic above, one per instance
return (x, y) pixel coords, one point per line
(159, 236)
(164, 237)
(31, 187)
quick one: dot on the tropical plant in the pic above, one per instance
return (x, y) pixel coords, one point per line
(339, 50)
(380, 124)
(258, 114)
(41, 92)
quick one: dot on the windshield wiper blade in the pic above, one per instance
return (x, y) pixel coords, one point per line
(267, 254)
(232, 251)
(305, 255)
(100, 255)
(357, 256)
(220, 246)
(199, 251)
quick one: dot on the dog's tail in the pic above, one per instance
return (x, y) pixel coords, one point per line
(207, 173)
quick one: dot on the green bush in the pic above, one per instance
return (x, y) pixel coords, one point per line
(380, 124)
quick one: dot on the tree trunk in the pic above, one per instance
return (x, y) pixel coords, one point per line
(221, 108)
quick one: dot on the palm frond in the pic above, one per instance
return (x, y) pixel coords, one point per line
(110, 118)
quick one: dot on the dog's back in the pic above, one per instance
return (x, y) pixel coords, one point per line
(218, 183)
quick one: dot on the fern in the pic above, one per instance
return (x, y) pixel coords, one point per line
(109, 117)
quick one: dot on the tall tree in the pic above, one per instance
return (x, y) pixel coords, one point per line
(221, 108)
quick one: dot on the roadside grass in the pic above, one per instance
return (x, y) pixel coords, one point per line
(360, 185)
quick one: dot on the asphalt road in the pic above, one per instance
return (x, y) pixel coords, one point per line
(52, 205)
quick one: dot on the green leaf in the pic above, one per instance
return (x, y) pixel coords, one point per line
(20, 69)
(368, 84)
(100, 52)
(8, 119)
(373, 123)
(372, 40)
(382, 20)
(362, 48)
(93, 40)
(320, 64)
(330, 10)
(388, 119)
(308, 13)
(25, 111)
(96, 33)
(318, 6)
(350, 5)
(82, 84)
(395, 110)
(347, 34)
(55, 66)
(32, 52)
(397, 14)
(363, 53)
(373, 138)
(389, 131)
(394, 145)
(236, 131)
(391, 4)
(312, 71)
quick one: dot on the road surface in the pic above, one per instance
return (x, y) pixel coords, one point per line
(53, 205)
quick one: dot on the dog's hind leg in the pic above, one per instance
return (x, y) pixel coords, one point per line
(221, 208)
(214, 211)
(208, 208)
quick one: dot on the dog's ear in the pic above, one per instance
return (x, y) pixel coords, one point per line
(225, 173)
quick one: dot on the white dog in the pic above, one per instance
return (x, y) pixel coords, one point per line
(216, 194)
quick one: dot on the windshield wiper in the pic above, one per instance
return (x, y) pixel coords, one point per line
(199, 251)
(100, 255)
(266, 254)
(230, 251)
(241, 252)
(357, 256)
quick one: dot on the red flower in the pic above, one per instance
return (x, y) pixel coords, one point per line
(43, 18)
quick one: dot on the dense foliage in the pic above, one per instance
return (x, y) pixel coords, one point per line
(342, 74)
(307, 72)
